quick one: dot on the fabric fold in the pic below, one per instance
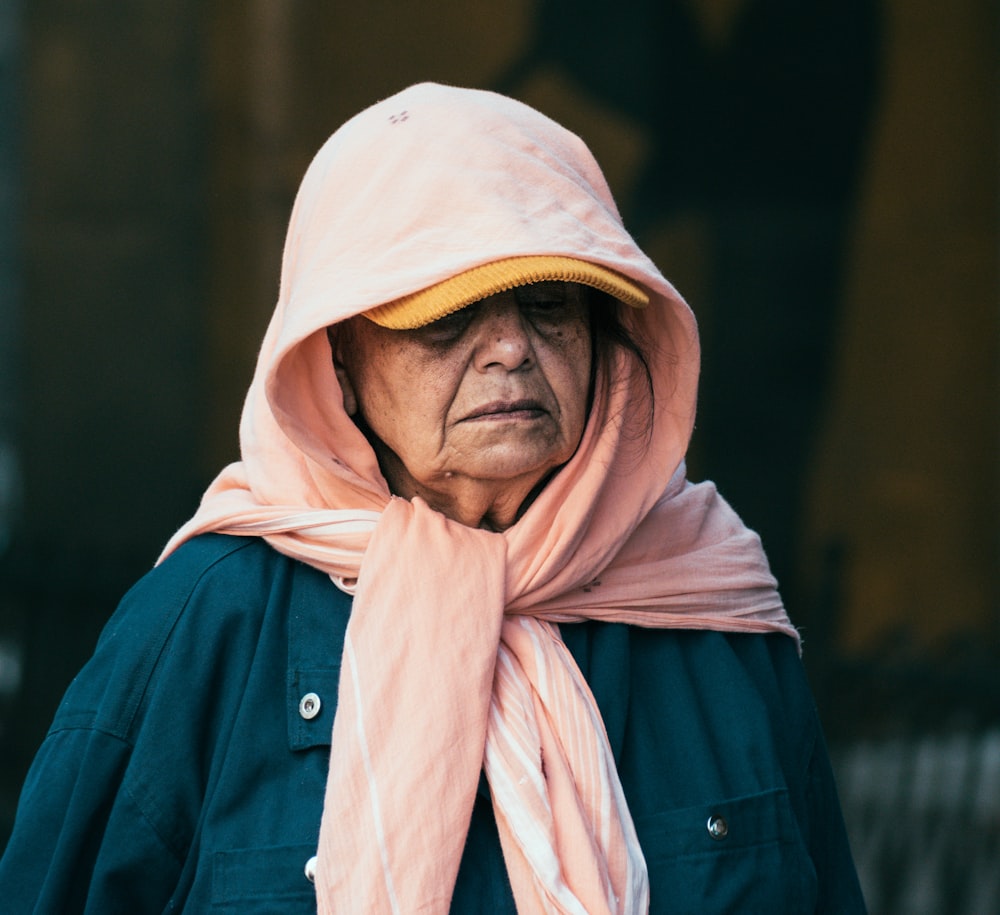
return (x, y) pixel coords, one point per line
(561, 811)
(409, 732)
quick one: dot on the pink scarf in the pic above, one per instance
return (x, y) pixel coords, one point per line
(453, 662)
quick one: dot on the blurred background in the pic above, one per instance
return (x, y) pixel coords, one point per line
(819, 179)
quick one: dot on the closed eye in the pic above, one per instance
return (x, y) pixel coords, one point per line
(542, 295)
(448, 328)
(551, 302)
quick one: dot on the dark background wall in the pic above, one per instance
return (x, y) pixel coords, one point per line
(819, 179)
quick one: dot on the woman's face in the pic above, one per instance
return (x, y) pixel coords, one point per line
(472, 411)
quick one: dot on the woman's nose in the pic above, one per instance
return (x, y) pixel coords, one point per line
(502, 339)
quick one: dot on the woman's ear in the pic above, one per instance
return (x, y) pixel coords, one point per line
(343, 376)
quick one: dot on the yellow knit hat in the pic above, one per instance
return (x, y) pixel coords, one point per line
(456, 292)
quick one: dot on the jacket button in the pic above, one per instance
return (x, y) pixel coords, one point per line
(310, 869)
(309, 706)
(717, 826)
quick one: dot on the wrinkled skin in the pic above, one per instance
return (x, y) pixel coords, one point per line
(474, 411)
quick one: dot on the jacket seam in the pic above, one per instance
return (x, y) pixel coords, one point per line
(131, 706)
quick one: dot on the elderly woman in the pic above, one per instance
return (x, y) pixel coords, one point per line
(558, 677)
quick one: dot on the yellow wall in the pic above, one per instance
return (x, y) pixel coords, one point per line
(909, 472)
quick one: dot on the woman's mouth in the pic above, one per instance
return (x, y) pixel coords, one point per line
(507, 410)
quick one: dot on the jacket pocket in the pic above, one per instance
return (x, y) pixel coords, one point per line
(738, 855)
(255, 881)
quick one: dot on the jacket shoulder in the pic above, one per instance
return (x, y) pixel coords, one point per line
(212, 591)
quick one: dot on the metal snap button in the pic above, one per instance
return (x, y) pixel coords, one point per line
(310, 869)
(309, 706)
(717, 826)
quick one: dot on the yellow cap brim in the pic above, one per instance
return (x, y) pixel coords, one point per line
(454, 293)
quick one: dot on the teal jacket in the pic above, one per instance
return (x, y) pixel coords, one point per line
(184, 771)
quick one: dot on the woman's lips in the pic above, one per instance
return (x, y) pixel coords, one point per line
(507, 409)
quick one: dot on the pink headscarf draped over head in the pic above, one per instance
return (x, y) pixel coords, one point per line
(453, 661)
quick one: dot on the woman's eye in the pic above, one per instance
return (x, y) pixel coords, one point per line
(549, 301)
(541, 295)
(447, 328)
(544, 306)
